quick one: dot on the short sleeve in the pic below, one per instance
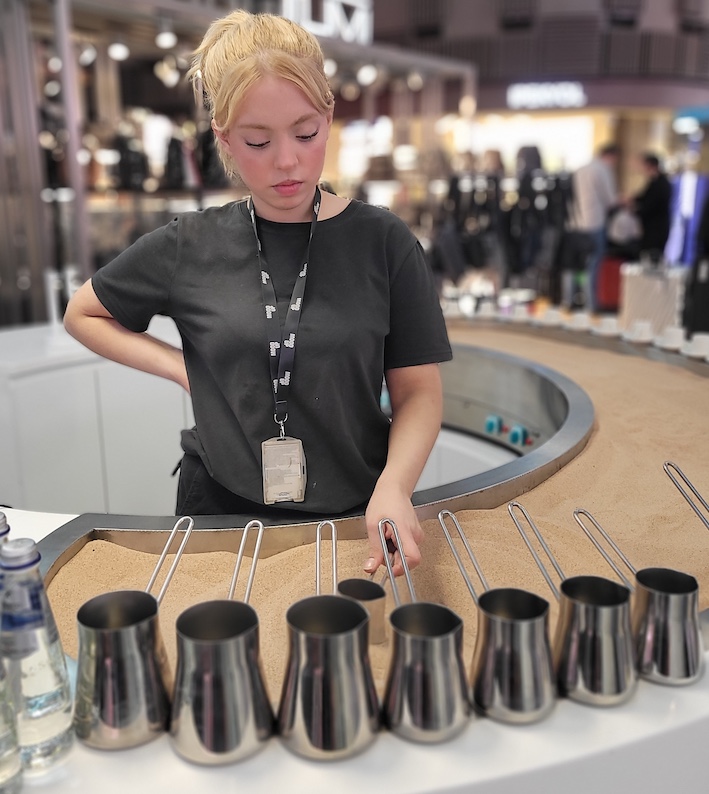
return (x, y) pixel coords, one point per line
(417, 330)
(135, 286)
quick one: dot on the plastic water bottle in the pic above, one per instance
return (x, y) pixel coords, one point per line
(10, 763)
(4, 535)
(4, 528)
(37, 680)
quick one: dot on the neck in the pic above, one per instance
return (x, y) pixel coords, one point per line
(300, 214)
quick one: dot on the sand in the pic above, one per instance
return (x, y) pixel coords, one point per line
(646, 412)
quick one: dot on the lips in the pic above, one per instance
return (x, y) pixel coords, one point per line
(287, 188)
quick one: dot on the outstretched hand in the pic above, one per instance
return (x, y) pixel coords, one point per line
(387, 503)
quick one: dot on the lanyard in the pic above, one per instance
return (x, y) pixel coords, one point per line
(281, 344)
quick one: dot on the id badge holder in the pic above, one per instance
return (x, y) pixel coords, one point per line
(284, 471)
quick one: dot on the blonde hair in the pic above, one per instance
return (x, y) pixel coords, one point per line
(238, 50)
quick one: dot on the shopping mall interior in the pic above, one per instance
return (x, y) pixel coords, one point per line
(551, 160)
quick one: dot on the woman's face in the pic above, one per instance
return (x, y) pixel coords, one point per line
(277, 142)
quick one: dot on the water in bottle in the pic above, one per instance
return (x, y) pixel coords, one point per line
(37, 680)
(10, 763)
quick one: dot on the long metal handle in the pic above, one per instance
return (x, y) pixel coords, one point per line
(318, 549)
(511, 507)
(240, 557)
(442, 521)
(609, 540)
(670, 468)
(175, 562)
(388, 561)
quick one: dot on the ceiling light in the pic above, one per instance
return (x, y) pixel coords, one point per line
(165, 37)
(350, 91)
(118, 50)
(167, 72)
(685, 125)
(414, 81)
(87, 55)
(52, 88)
(367, 74)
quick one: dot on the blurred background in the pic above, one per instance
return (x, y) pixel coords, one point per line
(468, 118)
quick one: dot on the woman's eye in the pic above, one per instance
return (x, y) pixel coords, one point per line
(308, 137)
(257, 145)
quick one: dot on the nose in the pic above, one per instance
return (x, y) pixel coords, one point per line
(285, 157)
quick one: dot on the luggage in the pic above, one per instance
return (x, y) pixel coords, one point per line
(608, 286)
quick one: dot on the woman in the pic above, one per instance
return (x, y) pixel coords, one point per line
(271, 392)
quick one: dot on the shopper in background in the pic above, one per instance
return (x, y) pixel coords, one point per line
(233, 279)
(695, 312)
(594, 195)
(652, 206)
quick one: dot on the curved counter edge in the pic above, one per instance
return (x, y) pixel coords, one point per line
(503, 483)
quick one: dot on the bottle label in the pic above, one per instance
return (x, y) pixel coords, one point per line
(24, 610)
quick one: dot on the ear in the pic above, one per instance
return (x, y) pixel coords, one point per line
(328, 119)
(221, 136)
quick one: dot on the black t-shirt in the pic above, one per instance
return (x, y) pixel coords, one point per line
(283, 249)
(370, 305)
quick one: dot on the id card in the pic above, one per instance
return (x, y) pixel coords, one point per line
(284, 473)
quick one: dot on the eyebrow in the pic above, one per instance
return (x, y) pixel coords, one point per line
(300, 120)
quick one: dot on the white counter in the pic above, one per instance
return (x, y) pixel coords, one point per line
(654, 743)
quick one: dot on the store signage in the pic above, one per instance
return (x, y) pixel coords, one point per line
(535, 96)
(349, 20)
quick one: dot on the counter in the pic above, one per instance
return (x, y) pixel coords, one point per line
(653, 743)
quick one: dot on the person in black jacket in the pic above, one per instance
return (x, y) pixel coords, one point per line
(695, 314)
(652, 206)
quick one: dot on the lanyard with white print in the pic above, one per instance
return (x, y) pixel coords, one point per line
(283, 459)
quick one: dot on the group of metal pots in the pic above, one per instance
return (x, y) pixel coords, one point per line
(217, 710)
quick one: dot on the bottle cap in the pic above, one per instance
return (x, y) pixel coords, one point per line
(18, 553)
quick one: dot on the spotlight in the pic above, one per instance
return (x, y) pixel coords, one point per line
(118, 50)
(350, 91)
(165, 37)
(87, 55)
(330, 67)
(367, 74)
(685, 125)
(414, 81)
(52, 88)
(167, 71)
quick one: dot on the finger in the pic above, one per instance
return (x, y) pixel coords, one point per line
(412, 555)
(376, 553)
(375, 559)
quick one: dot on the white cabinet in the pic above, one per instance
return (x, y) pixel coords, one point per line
(80, 434)
(59, 451)
(142, 416)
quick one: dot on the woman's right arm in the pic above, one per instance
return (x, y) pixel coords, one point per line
(88, 320)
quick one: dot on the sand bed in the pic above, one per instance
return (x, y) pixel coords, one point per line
(646, 412)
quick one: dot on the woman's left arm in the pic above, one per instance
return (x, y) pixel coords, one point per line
(417, 406)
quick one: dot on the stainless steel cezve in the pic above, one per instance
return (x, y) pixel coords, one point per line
(665, 616)
(123, 678)
(221, 712)
(328, 707)
(594, 657)
(426, 697)
(672, 470)
(512, 678)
